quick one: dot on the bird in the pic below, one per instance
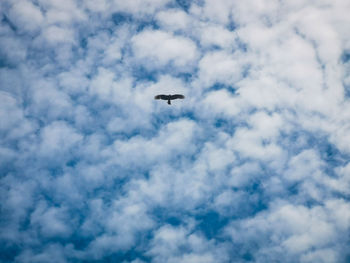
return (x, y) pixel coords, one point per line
(169, 97)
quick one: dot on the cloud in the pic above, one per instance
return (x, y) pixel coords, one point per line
(295, 230)
(161, 48)
(15, 125)
(173, 19)
(224, 38)
(253, 165)
(58, 35)
(219, 67)
(215, 11)
(26, 16)
(58, 138)
(52, 221)
(12, 51)
(172, 140)
(139, 7)
(178, 245)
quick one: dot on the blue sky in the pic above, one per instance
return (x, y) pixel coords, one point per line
(253, 166)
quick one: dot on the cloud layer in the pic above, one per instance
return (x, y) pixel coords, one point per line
(252, 166)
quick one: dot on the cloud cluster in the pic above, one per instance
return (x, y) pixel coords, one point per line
(252, 166)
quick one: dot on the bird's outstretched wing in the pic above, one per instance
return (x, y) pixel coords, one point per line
(177, 96)
(161, 97)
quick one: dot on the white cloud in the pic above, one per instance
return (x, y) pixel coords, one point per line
(217, 158)
(260, 141)
(125, 221)
(290, 229)
(97, 6)
(12, 50)
(177, 244)
(113, 52)
(173, 19)
(51, 222)
(73, 82)
(57, 139)
(55, 251)
(13, 123)
(58, 35)
(139, 7)
(220, 67)
(320, 255)
(161, 48)
(218, 36)
(108, 88)
(242, 175)
(266, 12)
(50, 100)
(252, 165)
(26, 16)
(215, 11)
(305, 164)
(173, 139)
(221, 102)
(65, 11)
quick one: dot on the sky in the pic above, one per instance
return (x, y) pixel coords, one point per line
(253, 166)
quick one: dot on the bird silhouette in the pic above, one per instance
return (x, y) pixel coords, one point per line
(169, 98)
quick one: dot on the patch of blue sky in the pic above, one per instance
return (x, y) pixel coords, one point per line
(127, 256)
(331, 154)
(149, 71)
(345, 57)
(242, 46)
(167, 116)
(186, 76)
(6, 21)
(83, 41)
(120, 18)
(208, 222)
(219, 86)
(223, 124)
(146, 22)
(211, 223)
(347, 90)
(184, 4)
(144, 73)
(232, 26)
(147, 25)
(165, 215)
(9, 251)
(7, 165)
(3, 62)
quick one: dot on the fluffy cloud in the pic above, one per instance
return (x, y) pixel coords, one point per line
(161, 48)
(139, 8)
(26, 15)
(173, 19)
(293, 230)
(252, 166)
(220, 67)
(173, 244)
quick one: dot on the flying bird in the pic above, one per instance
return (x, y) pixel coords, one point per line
(169, 97)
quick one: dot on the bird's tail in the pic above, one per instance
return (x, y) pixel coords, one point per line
(169, 102)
